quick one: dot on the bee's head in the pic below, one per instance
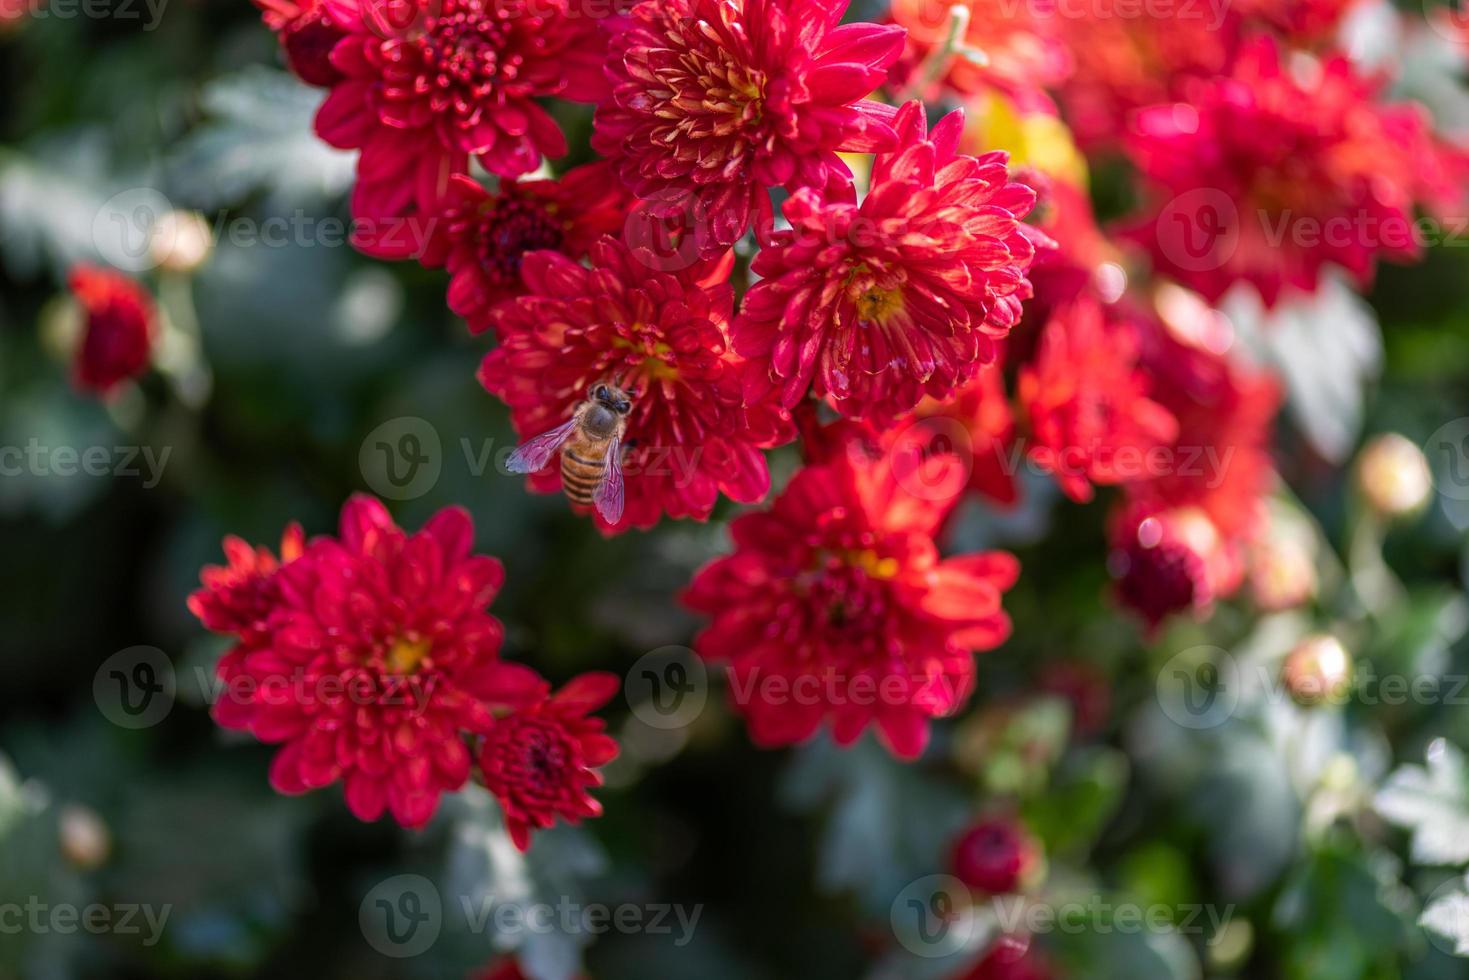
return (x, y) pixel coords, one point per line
(612, 398)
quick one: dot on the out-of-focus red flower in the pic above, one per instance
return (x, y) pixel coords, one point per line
(481, 236)
(997, 856)
(905, 294)
(977, 425)
(1124, 63)
(713, 103)
(835, 606)
(541, 759)
(1183, 534)
(1090, 415)
(1162, 562)
(1083, 685)
(1065, 214)
(1024, 52)
(240, 597)
(1010, 958)
(374, 662)
(1045, 157)
(1270, 173)
(507, 969)
(1302, 23)
(119, 323)
(1220, 461)
(427, 84)
(664, 336)
(307, 35)
(13, 13)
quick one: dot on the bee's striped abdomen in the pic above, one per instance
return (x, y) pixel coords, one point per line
(583, 462)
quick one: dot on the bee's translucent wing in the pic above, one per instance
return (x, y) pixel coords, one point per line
(535, 453)
(608, 496)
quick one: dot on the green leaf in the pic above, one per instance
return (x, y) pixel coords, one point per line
(887, 823)
(1108, 953)
(1083, 796)
(260, 138)
(486, 872)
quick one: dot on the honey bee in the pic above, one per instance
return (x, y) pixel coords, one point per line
(591, 451)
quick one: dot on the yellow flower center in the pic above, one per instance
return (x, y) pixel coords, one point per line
(877, 305)
(407, 653)
(865, 559)
(874, 566)
(655, 365)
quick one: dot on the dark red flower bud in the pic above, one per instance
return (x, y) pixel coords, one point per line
(996, 855)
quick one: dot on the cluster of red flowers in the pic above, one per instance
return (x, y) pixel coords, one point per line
(930, 313)
(371, 660)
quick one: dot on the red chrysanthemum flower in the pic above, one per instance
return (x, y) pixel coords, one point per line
(117, 333)
(1090, 415)
(540, 760)
(1166, 562)
(481, 236)
(996, 856)
(836, 606)
(375, 661)
(1271, 173)
(976, 425)
(15, 13)
(1084, 261)
(902, 295)
(507, 969)
(503, 969)
(307, 35)
(716, 101)
(1023, 50)
(1181, 538)
(240, 597)
(664, 336)
(1121, 64)
(1302, 23)
(1085, 689)
(1225, 413)
(427, 84)
(1010, 958)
